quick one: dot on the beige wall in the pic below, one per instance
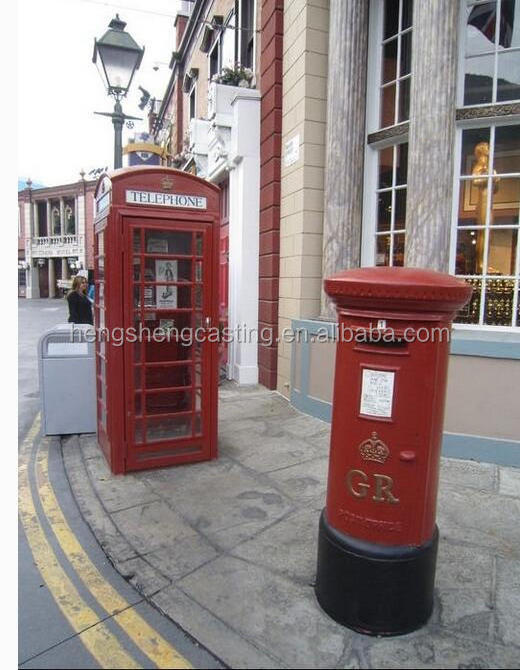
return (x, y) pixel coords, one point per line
(306, 25)
(482, 396)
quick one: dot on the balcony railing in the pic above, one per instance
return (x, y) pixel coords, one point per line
(56, 245)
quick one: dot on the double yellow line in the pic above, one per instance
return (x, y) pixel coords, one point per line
(98, 639)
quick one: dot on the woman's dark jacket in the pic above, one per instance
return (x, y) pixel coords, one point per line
(80, 310)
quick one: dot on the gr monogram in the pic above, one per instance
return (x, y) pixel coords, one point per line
(358, 486)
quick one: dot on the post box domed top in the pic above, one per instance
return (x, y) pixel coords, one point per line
(411, 289)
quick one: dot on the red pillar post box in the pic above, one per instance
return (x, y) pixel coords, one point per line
(156, 316)
(378, 537)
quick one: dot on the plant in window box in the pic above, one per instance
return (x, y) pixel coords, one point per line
(234, 76)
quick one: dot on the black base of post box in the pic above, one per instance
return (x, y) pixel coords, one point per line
(375, 589)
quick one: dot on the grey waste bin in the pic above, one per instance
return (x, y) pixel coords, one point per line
(67, 371)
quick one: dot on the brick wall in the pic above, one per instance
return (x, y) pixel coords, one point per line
(270, 160)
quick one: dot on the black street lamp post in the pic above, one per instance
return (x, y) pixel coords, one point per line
(117, 56)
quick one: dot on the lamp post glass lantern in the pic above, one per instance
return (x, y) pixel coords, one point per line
(117, 56)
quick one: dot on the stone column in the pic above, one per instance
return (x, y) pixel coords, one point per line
(49, 218)
(346, 99)
(33, 280)
(52, 278)
(62, 216)
(432, 134)
(244, 206)
(35, 221)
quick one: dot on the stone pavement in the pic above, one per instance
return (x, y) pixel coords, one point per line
(227, 548)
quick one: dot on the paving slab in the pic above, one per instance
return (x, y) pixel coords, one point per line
(508, 602)
(509, 482)
(439, 649)
(482, 519)
(265, 447)
(223, 501)
(118, 492)
(467, 474)
(227, 548)
(223, 639)
(287, 547)
(281, 617)
(305, 483)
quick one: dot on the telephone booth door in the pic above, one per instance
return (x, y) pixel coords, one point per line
(169, 366)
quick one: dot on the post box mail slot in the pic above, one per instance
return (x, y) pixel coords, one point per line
(378, 538)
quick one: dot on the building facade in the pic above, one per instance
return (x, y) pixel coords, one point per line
(55, 237)
(220, 118)
(402, 147)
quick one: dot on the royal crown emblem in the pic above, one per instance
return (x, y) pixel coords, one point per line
(167, 183)
(374, 449)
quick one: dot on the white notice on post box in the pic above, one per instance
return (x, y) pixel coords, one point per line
(377, 392)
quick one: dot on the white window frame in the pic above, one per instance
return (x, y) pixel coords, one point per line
(193, 91)
(372, 117)
(485, 122)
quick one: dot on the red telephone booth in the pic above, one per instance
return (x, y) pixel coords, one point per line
(156, 316)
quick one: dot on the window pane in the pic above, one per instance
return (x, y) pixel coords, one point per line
(384, 214)
(478, 83)
(509, 21)
(470, 139)
(508, 81)
(391, 18)
(507, 149)
(388, 106)
(498, 310)
(228, 44)
(138, 432)
(390, 61)
(137, 377)
(171, 242)
(385, 167)
(505, 202)
(406, 54)
(383, 250)
(470, 313)
(404, 99)
(168, 429)
(168, 403)
(480, 32)
(400, 209)
(401, 174)
(398, 252)
(138, 404)
(137, 241)
(171, 376)
(473, 202)
(466, 260)
(502, 252)
(407, 14)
